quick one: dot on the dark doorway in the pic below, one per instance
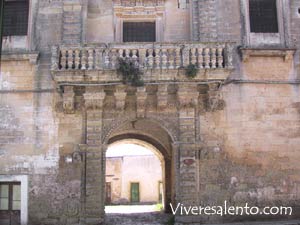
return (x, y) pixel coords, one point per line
(134, 192)
(139, 32)
(10, 203)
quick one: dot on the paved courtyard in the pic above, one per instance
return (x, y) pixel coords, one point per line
(128, 209)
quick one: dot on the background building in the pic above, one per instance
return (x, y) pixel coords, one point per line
(230, 133)
(133, 179)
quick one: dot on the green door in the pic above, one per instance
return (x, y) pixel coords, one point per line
(134, 192)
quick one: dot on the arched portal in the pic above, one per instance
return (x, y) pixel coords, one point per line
(164, 167)
(135, 177)
(153, 135)
(151, 132)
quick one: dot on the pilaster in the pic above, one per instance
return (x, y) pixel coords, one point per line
(95, 156)
(141, 96)
(72, 22)
(187, 96)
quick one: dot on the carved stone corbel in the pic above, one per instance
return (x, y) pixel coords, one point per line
(187, 95)
(215, 100)
(162, 96)
(94, 98)
(120, 95)
(69, 100)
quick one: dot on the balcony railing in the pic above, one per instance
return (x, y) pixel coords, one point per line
(155, 56)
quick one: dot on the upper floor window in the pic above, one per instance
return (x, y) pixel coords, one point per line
(15, 18)
(263, 16)
(139, 32)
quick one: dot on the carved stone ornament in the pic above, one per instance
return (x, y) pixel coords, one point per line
(68, 100)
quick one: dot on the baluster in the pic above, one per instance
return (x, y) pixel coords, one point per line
(106, 58)
(98, 60)
(142, 57)
(213, 58)
(186, 56)
(220, 57)
(113, 58)
(150, 58)
(127, 53)
(207, 58)
(70, 59)
(76, 58)
(177, 58)
(63, 61)
(134, 56)
(120, 51)
(193, 56)
(164, 59)
(157, 58)
(83, 59)
(90, 62)
(200, 58)
(171, 58)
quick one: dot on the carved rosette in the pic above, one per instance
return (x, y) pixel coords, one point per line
(69, 100)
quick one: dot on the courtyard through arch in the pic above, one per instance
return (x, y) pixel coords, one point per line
(135, 178)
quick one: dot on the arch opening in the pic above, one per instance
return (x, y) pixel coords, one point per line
(135, 177)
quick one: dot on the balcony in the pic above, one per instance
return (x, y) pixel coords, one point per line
(160, 62)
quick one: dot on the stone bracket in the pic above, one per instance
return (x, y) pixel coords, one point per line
(141, 96)
(94, 98)
(120, 95)
(68, 99)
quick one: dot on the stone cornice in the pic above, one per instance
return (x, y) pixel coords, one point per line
(32, 57)
(285, 53)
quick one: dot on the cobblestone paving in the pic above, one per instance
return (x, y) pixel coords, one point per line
(153, 218)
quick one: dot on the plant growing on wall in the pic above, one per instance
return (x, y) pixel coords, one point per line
(191, 71)
(130, 72)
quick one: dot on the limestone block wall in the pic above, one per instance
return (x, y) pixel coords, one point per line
(34, 141)
(250, 151)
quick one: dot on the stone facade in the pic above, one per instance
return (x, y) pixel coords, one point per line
(231, 133)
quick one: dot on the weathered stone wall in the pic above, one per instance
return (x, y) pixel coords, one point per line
(245, 146)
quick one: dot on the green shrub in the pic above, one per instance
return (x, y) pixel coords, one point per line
(191, 71)
(130, 72)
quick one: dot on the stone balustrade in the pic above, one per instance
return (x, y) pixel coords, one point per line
(145, 55)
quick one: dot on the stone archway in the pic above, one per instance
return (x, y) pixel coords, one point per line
(161, 153)
(147, 130)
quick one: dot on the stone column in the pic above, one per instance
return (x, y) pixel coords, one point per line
(95, 157)
(187, 96)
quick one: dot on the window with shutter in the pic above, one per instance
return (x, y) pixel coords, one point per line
(139, 32)
(263, 16)
(15, 18)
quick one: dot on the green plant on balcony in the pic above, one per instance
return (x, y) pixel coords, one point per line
(130, 72)
(191, 71)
